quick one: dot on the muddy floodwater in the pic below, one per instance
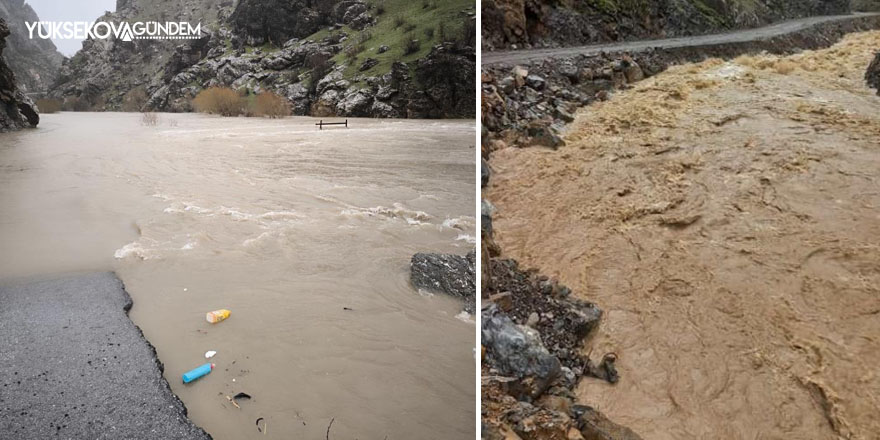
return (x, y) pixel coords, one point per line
(305, 235)
(726, 215)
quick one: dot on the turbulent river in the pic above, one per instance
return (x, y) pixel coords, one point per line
(726, 216)
(305, 235)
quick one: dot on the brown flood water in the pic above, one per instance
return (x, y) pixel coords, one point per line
(282, 224)
(726, 215)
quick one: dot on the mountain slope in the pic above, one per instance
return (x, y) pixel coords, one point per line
(34, 61)
(520, 23)
(382, 58)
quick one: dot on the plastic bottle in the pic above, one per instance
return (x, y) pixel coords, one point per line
(198, 372)
(217, 315)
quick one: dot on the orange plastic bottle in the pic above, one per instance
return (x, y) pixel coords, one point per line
(217, 315)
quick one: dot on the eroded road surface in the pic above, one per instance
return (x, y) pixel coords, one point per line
(726, 215)
(783, 28)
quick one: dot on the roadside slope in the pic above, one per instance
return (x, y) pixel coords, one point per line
(553, 23)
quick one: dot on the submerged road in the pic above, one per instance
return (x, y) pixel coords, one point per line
(775, 30)
(74, 366)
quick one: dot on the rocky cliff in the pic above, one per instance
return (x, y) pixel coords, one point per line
(16, 110)
(531, 23)
(35, 62)
(379, 58)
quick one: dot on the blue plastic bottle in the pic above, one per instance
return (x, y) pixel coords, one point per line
(196, 373)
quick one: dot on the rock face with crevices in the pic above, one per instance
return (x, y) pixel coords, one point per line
(325, 57)
(35, 61)
(16, 110)
(453, 275)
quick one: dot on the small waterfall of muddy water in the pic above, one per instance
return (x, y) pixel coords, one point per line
(284, 225)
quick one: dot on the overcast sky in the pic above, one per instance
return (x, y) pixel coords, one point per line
(70, 10)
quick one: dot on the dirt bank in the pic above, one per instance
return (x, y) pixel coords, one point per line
(725, 215)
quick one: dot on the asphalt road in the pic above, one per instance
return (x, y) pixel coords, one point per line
(74, 366)
(786, 27)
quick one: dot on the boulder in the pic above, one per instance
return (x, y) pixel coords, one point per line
(446, 273)
(298, 95)
(355, 103)
(383, 110)
(517, 350)
(536, 82)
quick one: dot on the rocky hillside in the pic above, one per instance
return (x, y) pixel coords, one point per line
(16, 110)
(35, 62)
(536, 23)
(381, 58)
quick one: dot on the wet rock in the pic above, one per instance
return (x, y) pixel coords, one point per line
(517, 351)
(486, 211)
(535, 423)
(872, 76)
(543, 134)
(485, 172)
(446, 273)
(563, 322)
(632, 71)
(536, 82)
(595, 426)
(16, 110)
(564, 114)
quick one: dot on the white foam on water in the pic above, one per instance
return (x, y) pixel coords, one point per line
(462, 223)
(466, 237)
(137, 250)
(465, 317)
(397, 211)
